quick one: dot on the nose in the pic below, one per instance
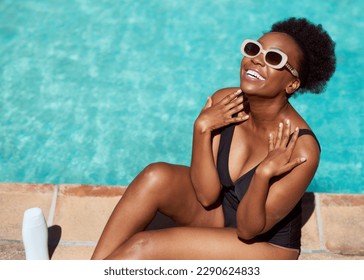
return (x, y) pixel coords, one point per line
(259, 59)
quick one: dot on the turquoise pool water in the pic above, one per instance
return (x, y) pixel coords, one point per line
(92, 91)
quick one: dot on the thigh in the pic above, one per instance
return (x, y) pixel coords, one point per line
(171, 188)
(160, 187)
(198, 243)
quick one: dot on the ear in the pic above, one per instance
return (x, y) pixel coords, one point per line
(293, 86)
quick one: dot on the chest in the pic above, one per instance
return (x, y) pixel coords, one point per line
(245, 152)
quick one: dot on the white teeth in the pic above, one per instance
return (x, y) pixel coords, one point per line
(254, 74)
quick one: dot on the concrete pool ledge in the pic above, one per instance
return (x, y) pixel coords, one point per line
(333, 223)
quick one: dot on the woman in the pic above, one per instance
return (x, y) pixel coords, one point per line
(251, 163)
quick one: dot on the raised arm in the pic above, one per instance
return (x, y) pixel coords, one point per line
(278, 183)
(216, 113)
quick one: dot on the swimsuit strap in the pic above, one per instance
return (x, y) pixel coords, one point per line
(224, 151)
(305, 131)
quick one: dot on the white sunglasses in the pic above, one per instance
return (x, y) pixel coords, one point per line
(273, 57)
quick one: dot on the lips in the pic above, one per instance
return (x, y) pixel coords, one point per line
(255, 75)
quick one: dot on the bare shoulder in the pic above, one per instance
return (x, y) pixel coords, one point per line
(221, 93)
(307, 144)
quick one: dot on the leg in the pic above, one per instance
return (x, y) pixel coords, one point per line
(159, 187)
(198, 243)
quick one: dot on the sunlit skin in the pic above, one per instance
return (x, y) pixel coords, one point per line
(190, 194)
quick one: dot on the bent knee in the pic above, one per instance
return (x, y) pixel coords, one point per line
(156, 171)
(157, 175)
(167, 184)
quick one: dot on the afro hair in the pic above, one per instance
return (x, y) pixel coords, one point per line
(319, 61)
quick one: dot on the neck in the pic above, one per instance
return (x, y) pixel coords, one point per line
(266, 113)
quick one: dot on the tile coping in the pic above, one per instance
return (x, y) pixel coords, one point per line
(110, 191)
(79, 190)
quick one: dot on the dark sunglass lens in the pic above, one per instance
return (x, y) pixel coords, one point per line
(273, 58)
(252, 49)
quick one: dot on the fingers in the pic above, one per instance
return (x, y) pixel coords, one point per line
(284, 145)
(292, 164)
(270, 142)
(224, 112)
(208, 103)
(230, 97)
(239, 118)
(231, 105)
(283, 135)
(236, 109)
(234, 103)
(279, 136)
(232, 100)
(292, 143)
(283, 139)
(286, 133)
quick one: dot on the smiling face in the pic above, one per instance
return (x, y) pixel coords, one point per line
(257, 78)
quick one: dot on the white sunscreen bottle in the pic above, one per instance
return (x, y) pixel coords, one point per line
(35, 235)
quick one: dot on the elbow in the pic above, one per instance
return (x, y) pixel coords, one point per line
(206, 195)
(205, 201)
(208, 198)
(202, 197)
(244, 234)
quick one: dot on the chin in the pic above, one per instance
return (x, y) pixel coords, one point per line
(248, 89)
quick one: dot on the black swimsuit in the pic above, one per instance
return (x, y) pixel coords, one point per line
(287, 232)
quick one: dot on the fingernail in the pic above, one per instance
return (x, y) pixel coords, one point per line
(303, 159)
(287, 122)
(296, 128)
(239, 90)
(280, 125)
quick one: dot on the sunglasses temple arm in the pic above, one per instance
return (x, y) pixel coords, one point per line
(292, 70)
